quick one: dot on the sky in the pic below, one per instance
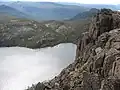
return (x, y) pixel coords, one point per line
(77, 1)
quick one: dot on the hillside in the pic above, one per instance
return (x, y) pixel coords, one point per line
(6, 17)
(32, 34)
(47, 10)
(87, 14)
(43, 11)
(98, 6)
(11, 11)
(97, 64)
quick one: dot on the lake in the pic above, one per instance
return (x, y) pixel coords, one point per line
(21, 67)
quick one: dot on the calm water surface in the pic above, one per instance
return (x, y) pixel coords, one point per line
(20, 67)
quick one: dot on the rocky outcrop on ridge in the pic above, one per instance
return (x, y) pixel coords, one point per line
(97, 64)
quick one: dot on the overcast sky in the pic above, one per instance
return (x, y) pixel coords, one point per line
(78, 1)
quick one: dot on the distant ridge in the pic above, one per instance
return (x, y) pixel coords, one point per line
(4, 9)
(43, 11)
(47, 10)
(86, 14)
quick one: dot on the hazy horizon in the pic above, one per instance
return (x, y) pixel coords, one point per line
(71, 1)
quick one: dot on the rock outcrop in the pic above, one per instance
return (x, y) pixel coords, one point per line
(97, 64)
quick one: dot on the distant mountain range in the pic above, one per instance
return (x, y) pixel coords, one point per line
(49, 10)
(16, 30)
(98, 6)
(44, 10)
(85, 15)
(11, 11)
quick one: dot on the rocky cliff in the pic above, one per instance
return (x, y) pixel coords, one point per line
(97, 64)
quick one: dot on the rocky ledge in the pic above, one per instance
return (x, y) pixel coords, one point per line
(97, 64)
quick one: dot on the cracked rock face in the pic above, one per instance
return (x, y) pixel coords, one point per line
(97, 64)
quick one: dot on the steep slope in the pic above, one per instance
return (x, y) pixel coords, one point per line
(32, 34)
(25, 33)
(71, 30)
(11, 11)
(97, 64)
(5, 17)
(87, 14)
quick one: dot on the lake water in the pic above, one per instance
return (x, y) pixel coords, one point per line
(21, 67)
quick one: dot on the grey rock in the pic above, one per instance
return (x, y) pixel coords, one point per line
(97, 64)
